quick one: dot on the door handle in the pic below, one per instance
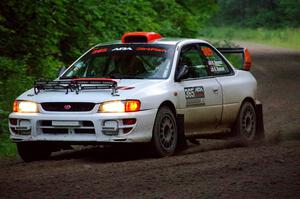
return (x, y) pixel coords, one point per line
(216, 91)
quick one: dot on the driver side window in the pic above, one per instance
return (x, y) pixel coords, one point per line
(190, 57)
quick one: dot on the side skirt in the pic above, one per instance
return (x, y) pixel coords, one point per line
(181, 141)
(260, 129)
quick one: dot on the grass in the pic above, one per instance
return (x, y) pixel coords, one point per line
(286, 38)
(7, 148)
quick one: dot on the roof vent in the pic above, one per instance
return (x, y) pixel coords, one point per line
(140, 37)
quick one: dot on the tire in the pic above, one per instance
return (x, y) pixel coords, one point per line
(246, 123)
(33, 151)
(165, 134)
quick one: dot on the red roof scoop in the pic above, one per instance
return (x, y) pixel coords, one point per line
(140, 37)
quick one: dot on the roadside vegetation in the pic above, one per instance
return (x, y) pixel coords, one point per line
(286, 37)
(272, 22)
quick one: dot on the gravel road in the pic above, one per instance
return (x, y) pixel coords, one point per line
(213, 169)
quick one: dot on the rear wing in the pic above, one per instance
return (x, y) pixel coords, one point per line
(239, 57)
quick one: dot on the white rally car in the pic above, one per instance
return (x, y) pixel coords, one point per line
(142, 89)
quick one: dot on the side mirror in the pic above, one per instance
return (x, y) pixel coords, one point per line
(61, 70)
(182, 72)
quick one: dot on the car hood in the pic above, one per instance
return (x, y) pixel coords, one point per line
(127, 89)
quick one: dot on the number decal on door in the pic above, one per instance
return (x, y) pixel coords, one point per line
(194, 95)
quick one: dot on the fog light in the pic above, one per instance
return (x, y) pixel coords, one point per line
(25, 123)
(23, 132)
(13, 121)
(110, 127)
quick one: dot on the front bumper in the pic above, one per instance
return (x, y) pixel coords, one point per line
(79, 127)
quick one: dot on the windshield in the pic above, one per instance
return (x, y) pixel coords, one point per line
(123, 61)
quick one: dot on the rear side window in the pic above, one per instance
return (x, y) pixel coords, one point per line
(216, 65)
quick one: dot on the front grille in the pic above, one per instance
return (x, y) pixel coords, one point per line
(68, 106)
(46, 123)
(56, 131)
(87, 123)
(83, 123)
(84, 131)
(85, 127)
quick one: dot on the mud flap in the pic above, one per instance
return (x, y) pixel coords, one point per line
(260, 121)
(181, 141)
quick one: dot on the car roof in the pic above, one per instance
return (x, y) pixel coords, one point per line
(164, 40)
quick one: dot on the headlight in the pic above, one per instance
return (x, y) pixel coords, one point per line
(120, 106)
(25, 107)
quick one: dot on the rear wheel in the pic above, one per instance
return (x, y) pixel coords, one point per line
(164, 139)
(245, 127)
(33, 151)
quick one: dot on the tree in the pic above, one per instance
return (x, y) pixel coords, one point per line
(37, 37)
(258, 13)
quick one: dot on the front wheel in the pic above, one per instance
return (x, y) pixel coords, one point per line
(33, 151)
(245, 126)
(164, 139)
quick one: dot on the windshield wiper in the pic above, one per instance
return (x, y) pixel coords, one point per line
(120, 76)
(72, 77)
(130, 77)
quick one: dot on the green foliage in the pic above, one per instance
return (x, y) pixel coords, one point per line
(290, 12)
(258, 13)
(235, 59)
(285, 37)
(38, 37)
(7, 149)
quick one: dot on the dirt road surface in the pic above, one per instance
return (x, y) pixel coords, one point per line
(213, 169)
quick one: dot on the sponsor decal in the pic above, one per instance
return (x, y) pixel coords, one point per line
(207, 51)
(216, 66)
(122, 49)
(194, 95)
(215, 63)
(124, 88)
(101, 50)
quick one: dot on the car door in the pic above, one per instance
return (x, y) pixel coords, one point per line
(201, 94)
(231, 84)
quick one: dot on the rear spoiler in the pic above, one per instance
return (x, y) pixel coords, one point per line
(245, 56)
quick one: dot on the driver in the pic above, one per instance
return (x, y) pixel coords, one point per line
(129, 65)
